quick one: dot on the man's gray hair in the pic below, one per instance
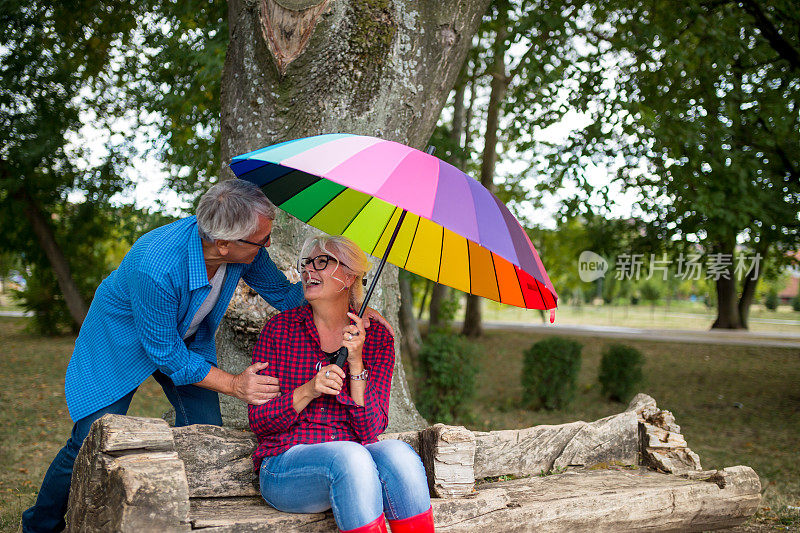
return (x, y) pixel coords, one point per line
(229, 210)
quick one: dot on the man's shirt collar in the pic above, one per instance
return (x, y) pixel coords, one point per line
(198, 275)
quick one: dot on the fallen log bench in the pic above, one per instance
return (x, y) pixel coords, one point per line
(630, 471)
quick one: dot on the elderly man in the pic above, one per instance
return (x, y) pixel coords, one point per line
(157, 315)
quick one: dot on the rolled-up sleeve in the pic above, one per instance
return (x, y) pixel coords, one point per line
(268, 281)
(371, 420)
(277, 415)
(155, 309)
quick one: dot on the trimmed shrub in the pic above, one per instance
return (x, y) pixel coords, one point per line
(620, 372)
(550, 373)
(447, 368)
(796, 303)
(771, 301)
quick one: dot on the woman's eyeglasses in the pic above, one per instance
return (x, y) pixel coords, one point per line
(319, 262)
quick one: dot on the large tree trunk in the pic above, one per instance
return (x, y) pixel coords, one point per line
(472, 319)
(44, 233)
(376, 68)
(436, 318)
(749, 290)
(727, 308)
(408, 323)
(727, 300)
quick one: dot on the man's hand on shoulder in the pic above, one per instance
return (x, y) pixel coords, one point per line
(372, 314)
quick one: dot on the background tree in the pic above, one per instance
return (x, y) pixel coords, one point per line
(52, 56)
(700, 116)
(411, 338)
(172, 73)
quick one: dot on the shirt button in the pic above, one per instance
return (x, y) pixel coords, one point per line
(333, 437)
(322, 409)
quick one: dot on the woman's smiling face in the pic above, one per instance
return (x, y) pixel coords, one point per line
(323, 276)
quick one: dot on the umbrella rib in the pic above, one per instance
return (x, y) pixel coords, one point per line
(536, 284)
(356, 215)
(496, 281)
(335, 196)
(412, 242)
(519, 284)
(441, 253)
(469, 267)
(383, 231)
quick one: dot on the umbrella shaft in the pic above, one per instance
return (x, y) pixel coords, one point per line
(383, 262)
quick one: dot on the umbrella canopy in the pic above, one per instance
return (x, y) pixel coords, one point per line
(455, 231)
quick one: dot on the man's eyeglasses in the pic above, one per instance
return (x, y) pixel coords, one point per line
(319, 262)
(260, 245)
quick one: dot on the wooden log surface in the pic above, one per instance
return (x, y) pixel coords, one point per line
(136, 474)
(218, 463)
(118, 448)
(448, 453)
(540, 449)
(578, 500)
(610, 440)
(218, 460)
(129, 434)
(409, 437)
(619, 500)
(662, 446)
(252, 514)
(147, 492)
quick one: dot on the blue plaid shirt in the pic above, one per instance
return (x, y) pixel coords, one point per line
(141, 311)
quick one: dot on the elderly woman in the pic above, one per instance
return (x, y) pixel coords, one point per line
(317, 441)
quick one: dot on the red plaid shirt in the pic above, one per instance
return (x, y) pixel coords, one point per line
(290, 343)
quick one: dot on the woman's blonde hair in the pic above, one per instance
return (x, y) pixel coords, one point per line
(350, 257)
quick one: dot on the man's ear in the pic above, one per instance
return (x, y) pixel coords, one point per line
(222, 246)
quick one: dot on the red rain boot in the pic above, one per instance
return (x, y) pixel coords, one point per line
(376, 526)
(422, 523)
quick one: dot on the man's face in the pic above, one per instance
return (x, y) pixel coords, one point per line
(244, 252)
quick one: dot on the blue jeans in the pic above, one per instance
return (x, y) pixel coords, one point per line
(193, 405)
(358, 482)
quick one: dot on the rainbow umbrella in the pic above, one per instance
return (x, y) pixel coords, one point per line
(415, 210)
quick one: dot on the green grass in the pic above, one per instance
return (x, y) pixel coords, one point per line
(699, 383)
(34, 422)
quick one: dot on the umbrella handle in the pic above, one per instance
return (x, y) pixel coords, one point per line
(341, 357)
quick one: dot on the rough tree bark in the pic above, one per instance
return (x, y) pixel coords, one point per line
(408, 323)
(749, 289)
(472, 315)
(306, 67)
(728, 316)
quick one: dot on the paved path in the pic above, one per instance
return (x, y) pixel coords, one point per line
(733, 337)
(16, 313)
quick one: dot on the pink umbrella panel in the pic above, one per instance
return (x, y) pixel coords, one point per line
(455, 232)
